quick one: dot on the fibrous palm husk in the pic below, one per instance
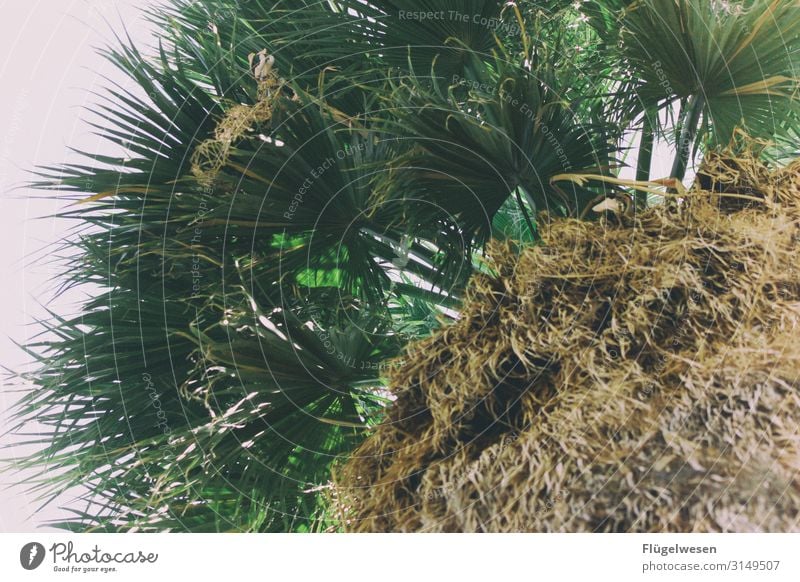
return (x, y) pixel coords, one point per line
(211, 155)
(636, 377)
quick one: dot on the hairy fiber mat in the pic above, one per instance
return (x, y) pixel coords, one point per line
(635, 376)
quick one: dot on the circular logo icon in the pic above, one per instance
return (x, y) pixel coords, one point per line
(31, 555)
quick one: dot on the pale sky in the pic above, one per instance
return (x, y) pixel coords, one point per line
(47, 69)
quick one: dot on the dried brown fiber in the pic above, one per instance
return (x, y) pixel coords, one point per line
(211, 155)
(641, 377)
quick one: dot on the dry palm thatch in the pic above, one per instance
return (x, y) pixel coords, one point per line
(637, 377)
(211, 155)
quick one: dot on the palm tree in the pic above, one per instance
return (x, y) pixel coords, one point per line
(283, 226)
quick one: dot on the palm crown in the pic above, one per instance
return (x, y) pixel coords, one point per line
(276, 236)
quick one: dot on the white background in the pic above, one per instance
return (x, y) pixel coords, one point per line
(410, 558)
(48, 67)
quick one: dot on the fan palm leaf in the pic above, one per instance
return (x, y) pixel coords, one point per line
(739, 58)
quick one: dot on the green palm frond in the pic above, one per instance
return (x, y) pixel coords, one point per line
(254, 341)
(249, 408)
(740, 58)
(438, 37)
(505, 129)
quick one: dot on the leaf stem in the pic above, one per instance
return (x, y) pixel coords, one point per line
(645, 155)
(518, 191)
(688, 134)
